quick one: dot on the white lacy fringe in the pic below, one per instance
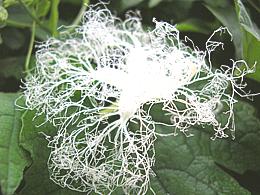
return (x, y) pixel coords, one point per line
(92, 84)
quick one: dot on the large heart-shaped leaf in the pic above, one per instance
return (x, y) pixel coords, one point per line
(183, 165)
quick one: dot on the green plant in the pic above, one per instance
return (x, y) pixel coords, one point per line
(194, 165)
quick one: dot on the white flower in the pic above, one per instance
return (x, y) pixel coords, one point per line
(98, 85)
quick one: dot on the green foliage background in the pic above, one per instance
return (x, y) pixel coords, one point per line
(184, 166)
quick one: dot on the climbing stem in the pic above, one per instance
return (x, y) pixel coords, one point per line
(33, 16)
(13, 23)
(29, 53)
(77, 20)
(54, 17)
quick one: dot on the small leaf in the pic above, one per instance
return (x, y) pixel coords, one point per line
(43, 8)
(13, 159)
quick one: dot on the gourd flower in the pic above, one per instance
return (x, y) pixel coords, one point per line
(99, 86)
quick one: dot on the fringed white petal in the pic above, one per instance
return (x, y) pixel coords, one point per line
(93, 86)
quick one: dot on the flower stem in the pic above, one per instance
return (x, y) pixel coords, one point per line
(29, 53)
(79, 16)
(54, 17)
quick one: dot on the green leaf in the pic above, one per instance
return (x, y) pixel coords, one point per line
(13, 159)
(18, 17)
(37, 176)
(8, 3)
(200, 177)
(41, 34)
(245, 20)
(246, 35)
(43, 8)
(218, 3)
(227, 16)
(183, 165)
(251, 48)
(189, 165)
(251, 39)
(196, 25)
